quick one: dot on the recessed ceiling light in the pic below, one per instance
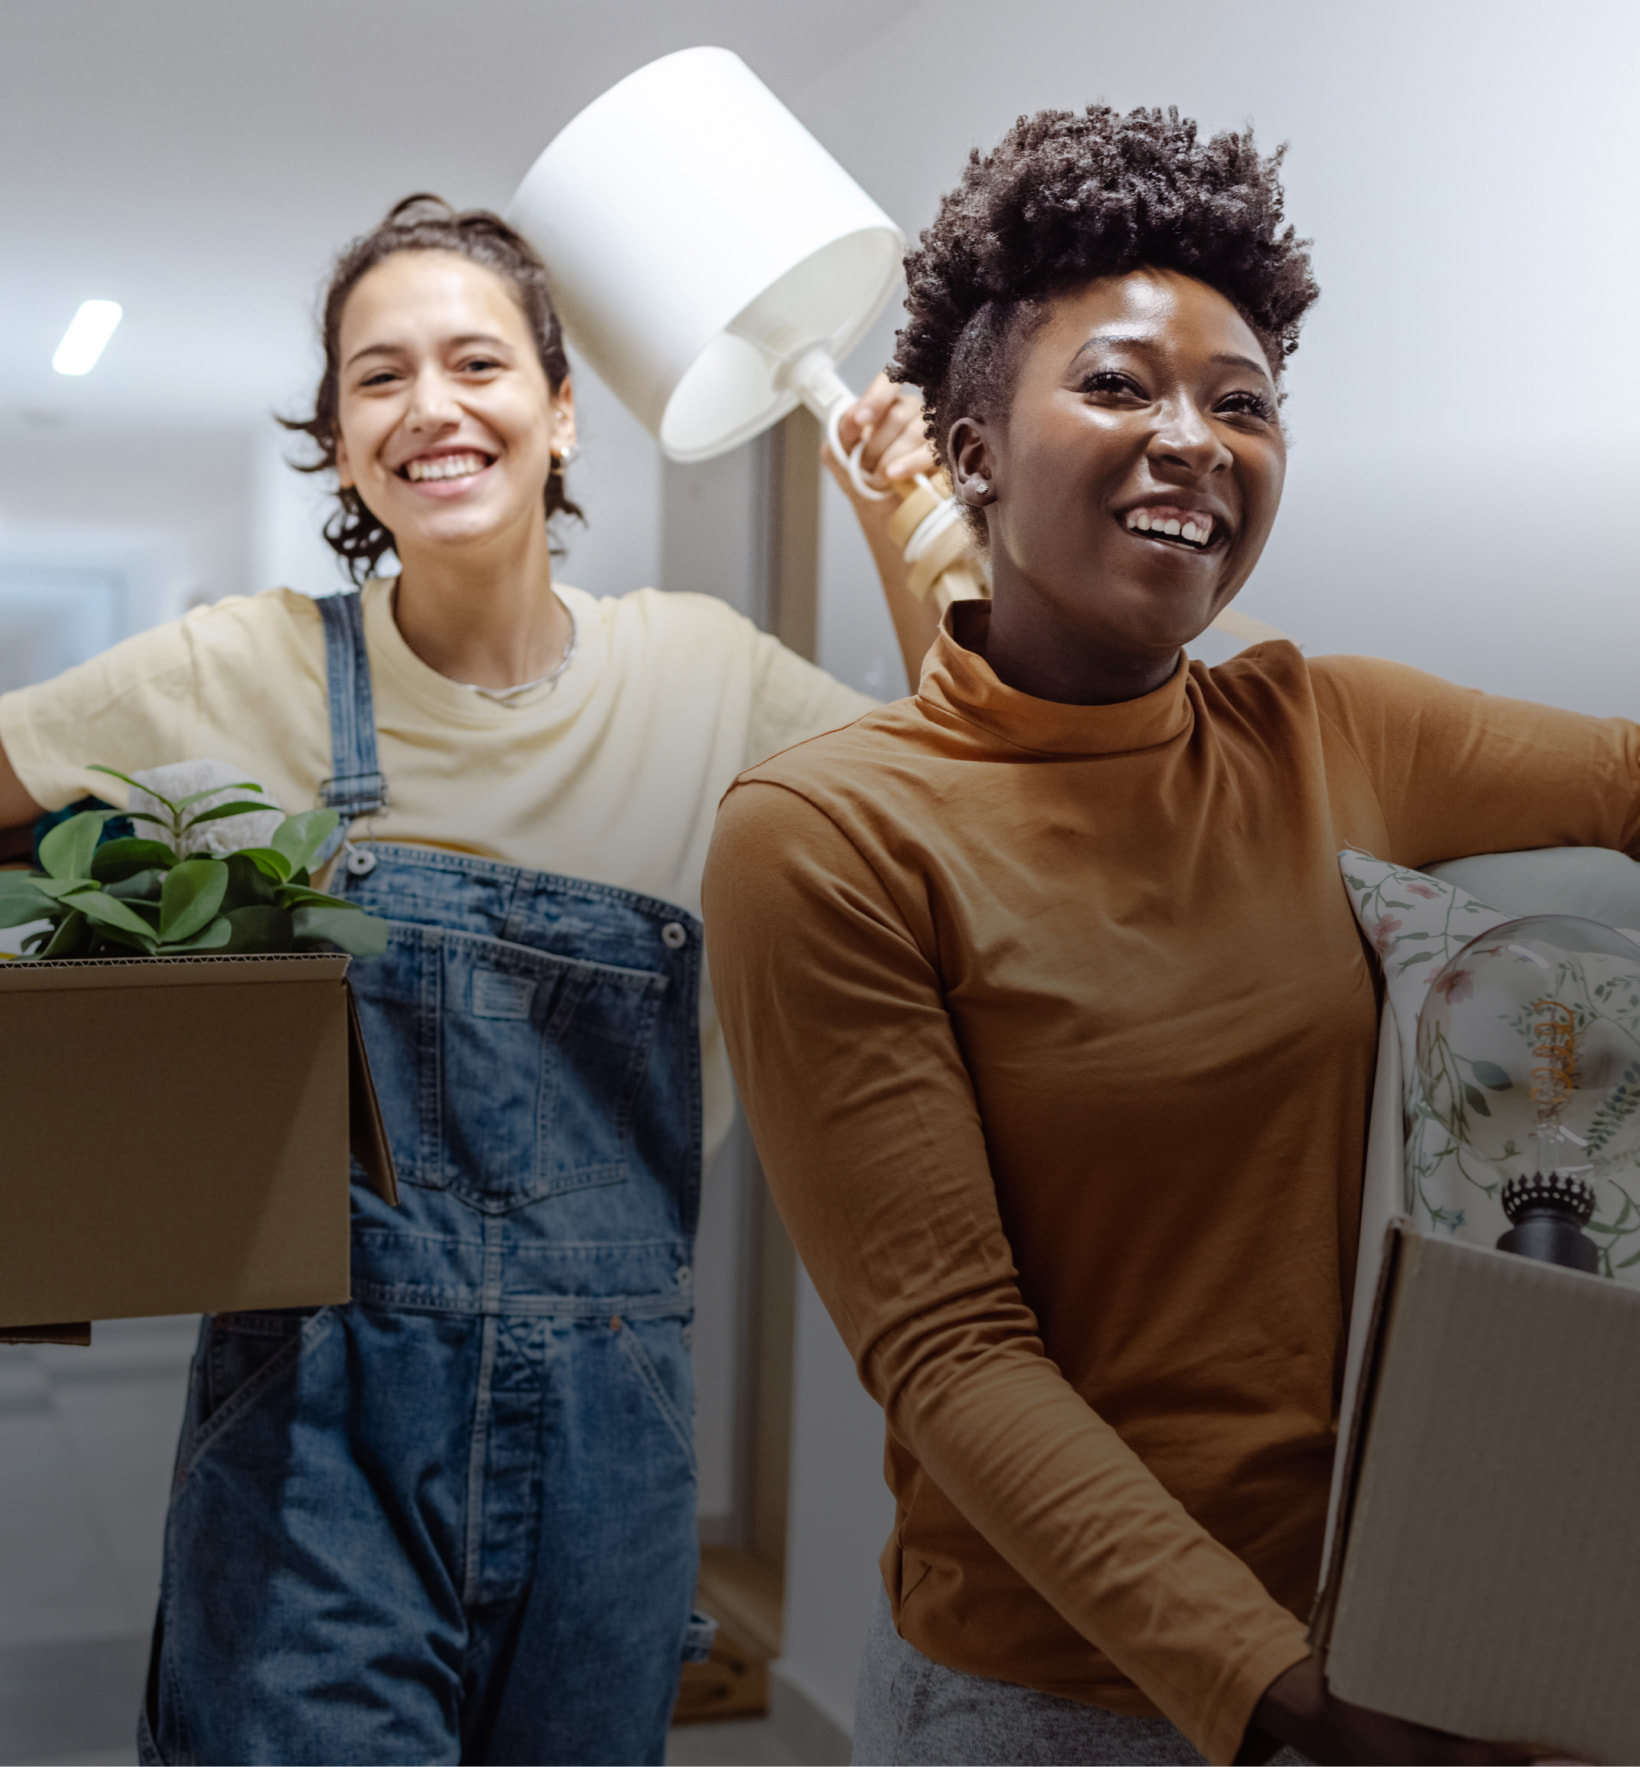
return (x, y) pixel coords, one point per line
(88, 331)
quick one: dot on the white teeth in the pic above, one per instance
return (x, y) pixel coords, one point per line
(1197, 531)
(446, 466)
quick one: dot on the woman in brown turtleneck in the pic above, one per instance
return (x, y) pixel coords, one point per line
(1049, 1010)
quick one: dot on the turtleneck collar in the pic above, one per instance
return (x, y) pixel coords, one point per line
(958, 679)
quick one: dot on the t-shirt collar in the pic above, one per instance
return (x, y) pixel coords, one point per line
(958, 679)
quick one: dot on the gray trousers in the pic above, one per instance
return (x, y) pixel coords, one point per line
(909, 1709)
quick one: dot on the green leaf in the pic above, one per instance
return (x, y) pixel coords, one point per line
(67, 939)
(212, 937)
(268, 860)
(193, 893)
(1491, 1076)
(301, 896)
(1476, 1101)
(21, 903)
(115, 860)
(67, 850)
(239, 807)
(141, 886)
(300, 837)
(248, 885)
(196, 797)
(107, 910)
(58, 887)
(361, 934)
(158, 797)
(260, 928)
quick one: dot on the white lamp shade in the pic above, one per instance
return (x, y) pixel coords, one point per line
(698, 240)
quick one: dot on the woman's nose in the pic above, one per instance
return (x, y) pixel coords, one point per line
(432, 401)
(1184, 437)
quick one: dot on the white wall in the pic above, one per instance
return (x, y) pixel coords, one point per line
(1465, 408)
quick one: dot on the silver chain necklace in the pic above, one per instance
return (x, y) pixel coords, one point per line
(506, 695)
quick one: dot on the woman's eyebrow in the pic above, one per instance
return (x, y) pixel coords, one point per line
(1143, 339)
(372, 350)
(1229, 359)
(456, 343)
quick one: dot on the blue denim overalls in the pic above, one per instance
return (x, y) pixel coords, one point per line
(455, 1519)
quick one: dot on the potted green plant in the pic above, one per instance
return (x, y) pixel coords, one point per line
(169, 896)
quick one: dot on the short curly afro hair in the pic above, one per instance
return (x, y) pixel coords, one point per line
(1064, 199)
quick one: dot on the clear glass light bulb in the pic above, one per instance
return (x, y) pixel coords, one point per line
(1529, 1048)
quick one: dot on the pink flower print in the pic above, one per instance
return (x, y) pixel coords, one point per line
(1459, 985)
(1429, 895)
(1383, 935)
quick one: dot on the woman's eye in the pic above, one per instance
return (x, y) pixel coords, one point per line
(381, 378)
(479, 365)
(1247, 405)
(1109, 381)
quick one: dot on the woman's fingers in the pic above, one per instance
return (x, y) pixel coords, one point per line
(889, 423)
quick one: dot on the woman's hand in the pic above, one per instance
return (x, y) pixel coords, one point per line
(1298, 1709)
(890, 423)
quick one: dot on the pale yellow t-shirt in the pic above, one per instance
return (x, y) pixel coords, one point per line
(611, 773)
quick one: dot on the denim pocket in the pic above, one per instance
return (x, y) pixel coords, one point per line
(246, 1355)
(507, 1074)
(663, 1368)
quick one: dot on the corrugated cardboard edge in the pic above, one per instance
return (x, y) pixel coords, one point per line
(58, 973)
(48, 1334)
(366, 1129)
(1353, 1442)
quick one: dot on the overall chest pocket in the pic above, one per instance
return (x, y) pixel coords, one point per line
(506, 1074)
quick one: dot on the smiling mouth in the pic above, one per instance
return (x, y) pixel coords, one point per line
(1191, 530)
(425, 468)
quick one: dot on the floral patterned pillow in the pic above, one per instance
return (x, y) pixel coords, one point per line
(1416, 923)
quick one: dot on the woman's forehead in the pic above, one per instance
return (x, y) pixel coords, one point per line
(431, 291)
(1148, 309)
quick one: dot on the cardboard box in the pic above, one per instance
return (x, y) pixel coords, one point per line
(177, 1134)
(1484, 1573)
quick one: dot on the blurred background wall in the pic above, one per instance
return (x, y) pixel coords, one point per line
(1465, 409)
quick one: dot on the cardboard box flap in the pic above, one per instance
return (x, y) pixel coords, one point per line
(1486, 1574)
(366, 1131)
(179, 1137)
(1352, 1438)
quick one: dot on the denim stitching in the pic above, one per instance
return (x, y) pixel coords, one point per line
(235, 1407)
(650, 1375)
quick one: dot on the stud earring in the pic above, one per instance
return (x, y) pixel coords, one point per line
(979, 487)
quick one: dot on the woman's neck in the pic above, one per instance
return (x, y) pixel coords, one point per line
(489, 618)
(1034, 648)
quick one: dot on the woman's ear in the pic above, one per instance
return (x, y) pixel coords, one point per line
(344, 472)
(563, 420)
(969, 452)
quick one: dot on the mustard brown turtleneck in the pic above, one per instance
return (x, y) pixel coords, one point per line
(1055, 1034)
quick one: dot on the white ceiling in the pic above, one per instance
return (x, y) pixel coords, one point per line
(200, 161)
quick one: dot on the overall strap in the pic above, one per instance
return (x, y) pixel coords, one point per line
(355, 787)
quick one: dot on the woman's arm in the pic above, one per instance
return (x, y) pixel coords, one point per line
(896, 451)
(18, 813)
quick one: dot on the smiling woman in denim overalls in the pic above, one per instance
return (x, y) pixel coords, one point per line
(454, 1519)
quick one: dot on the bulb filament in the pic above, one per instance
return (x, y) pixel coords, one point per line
(1553, 1052)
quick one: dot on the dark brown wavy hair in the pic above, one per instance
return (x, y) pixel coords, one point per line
(1066, 197)
(424, 223)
